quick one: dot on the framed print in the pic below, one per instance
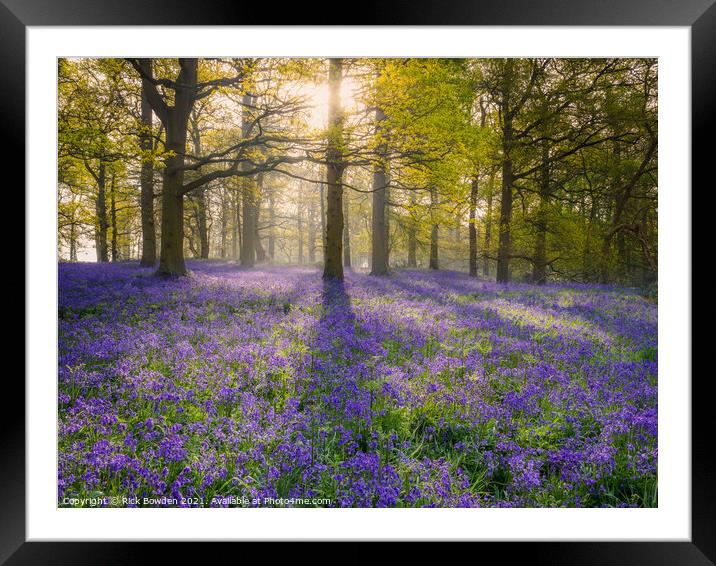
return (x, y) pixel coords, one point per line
(422, 277)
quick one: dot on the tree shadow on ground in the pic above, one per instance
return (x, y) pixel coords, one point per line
(340, 361)
(338, 320)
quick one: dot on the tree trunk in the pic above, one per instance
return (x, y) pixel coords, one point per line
(236, 229)
(434, 230)
(311, 232)
(606, 255)
(473, 203)
(605, 260)
(539, 273)
(102, 224)
(412, 248)
(299, 228)
(200, 194)
(387, 221)
(224, 222)
(248, 217)
(412, 234)
(333, 268)
(201, 224)
(379, 240)
(191, 239)
(434, 247)
(260, 251)
(171, 261)
(488, 230)
(248, 245)
(473, 227)
(113, 217)
(587, 262)
(621, 258)
(322, 194)
(272, 219)
(73, 242)
(539, 270)
(504, 251)
(504, 243)
(648, 268)
(346, 233)
(146, 199)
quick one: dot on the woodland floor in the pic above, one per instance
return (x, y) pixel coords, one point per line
(417, 389)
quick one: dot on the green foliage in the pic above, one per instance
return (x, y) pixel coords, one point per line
(578, 134)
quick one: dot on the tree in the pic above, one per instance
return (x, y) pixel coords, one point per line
(146, 132)
(434, 228)
(333, 268)
(379, 224)
(474, 185)
(508, 110)
(472, 232)
(175, 119)
(249, 193)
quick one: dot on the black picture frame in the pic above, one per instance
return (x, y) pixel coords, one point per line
(699, 15)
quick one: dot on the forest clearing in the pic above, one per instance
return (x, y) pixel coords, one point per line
(357, 282)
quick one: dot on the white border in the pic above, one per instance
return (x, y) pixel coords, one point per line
(671, 521)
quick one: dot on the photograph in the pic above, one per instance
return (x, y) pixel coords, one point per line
(357, 282)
